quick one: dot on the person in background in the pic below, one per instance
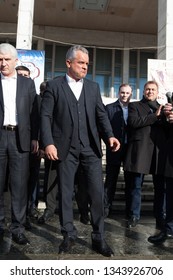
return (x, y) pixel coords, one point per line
(35, 161)
(145, 152)
(23, 70)
(117, 114)
(166, 232)
(72, 116)
(50, 192)
(18, 135)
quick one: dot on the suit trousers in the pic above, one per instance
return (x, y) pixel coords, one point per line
(159, 197)
(52, 189)
(112, 173)
(18, 163)
(81, 194)
(33, 185)
(135, 188)
(169, 205)
(91, 165)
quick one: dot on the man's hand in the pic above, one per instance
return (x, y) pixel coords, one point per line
(51, 152)
(114, 144)
(34, 146)
(158, 112)
(167, 109)
(170, 117)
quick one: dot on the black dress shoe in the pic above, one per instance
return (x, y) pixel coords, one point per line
(66, 245)
(160, 238)
(20, 238)
(102, 248)
(132, 222)
(47, 215)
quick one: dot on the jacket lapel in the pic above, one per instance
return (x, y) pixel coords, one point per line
(67, 93)
(1, 96)
(19, 91)
(145, 105)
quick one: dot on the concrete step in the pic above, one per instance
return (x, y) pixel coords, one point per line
(147, 189)
(146, 206)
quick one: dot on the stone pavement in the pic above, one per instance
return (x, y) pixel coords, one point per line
(126, 243)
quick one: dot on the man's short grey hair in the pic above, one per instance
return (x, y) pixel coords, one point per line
(6, 48)
(71, 53)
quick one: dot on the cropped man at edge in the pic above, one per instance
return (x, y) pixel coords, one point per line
(117, 114)
(146, 152)
(167, 231)
(72, 116)
(18, 135)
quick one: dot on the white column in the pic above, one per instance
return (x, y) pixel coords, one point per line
(25, 24)
(165, 27)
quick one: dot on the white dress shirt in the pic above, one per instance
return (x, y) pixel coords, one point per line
(9, 86)
(125, 116)
(125, 112)
(76, 87)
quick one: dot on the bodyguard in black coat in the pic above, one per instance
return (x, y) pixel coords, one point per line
(146, 139)
(72, 116)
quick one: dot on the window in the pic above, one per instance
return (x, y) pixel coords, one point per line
(133, 71)
(118, 71)
(138, 71)
(144, 56)
(48, 61)
(103, 70)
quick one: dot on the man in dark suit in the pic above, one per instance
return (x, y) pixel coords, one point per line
(145, 151)
(117, 114)
(18, 126)
(72, 119)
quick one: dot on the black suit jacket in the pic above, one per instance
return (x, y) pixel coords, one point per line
(115, 115)
(27, 111)
(57, 116)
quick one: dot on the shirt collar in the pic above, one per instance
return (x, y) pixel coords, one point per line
(12, 77)
(123, 106)
(71, 80)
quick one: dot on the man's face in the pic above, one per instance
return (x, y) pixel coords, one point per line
(24, 73)
(7, 64)
(125, 94)
(77, 68)
(150, 92)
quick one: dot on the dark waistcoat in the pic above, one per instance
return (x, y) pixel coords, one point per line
(80, 129)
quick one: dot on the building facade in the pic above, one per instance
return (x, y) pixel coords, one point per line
(120, 35)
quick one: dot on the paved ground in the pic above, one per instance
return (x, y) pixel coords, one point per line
(126, 243)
